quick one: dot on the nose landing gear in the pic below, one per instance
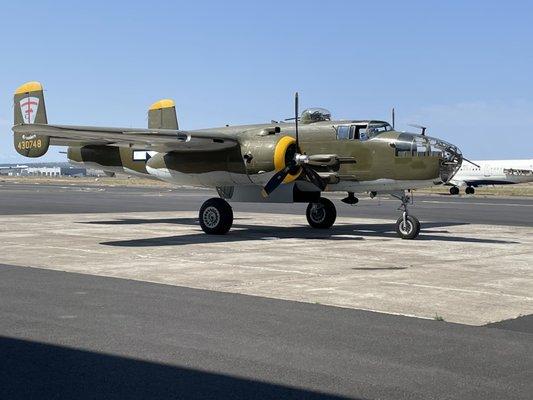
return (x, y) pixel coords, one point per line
(407, 226)
(470, 190)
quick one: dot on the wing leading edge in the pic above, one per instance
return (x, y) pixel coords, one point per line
(158, 139)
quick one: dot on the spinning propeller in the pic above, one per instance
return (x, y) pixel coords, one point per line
(300, 160)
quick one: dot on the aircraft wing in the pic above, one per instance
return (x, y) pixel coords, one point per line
(161, 140)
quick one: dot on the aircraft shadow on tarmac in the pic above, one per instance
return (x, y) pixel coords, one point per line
(245, 232)
(35, 370)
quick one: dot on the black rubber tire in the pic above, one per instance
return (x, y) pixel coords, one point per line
(413, 230)
(470, 190)
(322, 218)
(454, 190)
(216, 216)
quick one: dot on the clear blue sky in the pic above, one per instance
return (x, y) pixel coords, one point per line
(462, 68)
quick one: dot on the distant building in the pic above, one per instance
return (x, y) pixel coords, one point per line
(54, 171)
(51, 170)
(42, 171)
(12, 170)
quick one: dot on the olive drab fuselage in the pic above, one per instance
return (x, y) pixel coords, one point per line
(346, 154)
(252, 159)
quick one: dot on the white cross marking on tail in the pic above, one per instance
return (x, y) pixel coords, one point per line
(29, 107)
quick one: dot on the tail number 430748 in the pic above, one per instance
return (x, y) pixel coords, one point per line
(29, 144)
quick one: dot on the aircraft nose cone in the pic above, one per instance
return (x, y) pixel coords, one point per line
(450, 156)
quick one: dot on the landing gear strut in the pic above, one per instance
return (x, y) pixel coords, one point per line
(321, 214)
(407, 226)
(216, 216)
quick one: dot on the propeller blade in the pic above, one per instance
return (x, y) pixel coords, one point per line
(473, 163)
(275, 181)
(313, 177)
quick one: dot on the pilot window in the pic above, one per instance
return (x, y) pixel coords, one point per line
(343, 132)
(352, 132)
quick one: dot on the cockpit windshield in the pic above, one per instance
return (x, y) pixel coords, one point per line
(374, 128)
(362, 130)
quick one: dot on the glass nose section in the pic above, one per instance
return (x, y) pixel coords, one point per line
(449, 155)
(411, 145)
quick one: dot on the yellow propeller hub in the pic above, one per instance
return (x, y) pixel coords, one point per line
(280, 152)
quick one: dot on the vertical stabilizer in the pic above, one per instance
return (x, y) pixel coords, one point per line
(29, 108)
(162, 115)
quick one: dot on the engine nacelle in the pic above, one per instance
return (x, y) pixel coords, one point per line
(109, 158)
(265, 157)
(100, 157)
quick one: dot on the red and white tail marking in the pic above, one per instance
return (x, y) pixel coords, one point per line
(29, 107)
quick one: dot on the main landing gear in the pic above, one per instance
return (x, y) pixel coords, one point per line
(216, 216)
(470, 190)
(407, 226)
(322, 214)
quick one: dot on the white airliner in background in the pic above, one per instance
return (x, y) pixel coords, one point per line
(491, 172)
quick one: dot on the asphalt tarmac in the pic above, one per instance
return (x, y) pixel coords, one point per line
(61, 199)
(66, 335)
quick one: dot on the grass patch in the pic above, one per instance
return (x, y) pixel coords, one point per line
(438, 317)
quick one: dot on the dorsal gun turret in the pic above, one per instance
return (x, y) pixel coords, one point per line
(311, 115)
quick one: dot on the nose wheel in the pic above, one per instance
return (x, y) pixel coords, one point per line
(321, 214)
(216, 216)
(407, 226)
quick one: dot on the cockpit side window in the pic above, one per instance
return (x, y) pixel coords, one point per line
(352, 132)
(343, 132)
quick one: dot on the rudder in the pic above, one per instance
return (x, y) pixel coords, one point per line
(29, 108)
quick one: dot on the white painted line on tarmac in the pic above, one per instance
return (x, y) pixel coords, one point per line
(475, 204)
(458, 290)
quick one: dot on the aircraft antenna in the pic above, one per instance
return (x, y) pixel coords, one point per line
(296, 120)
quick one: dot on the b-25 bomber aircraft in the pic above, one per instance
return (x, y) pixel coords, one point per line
(281, 162)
